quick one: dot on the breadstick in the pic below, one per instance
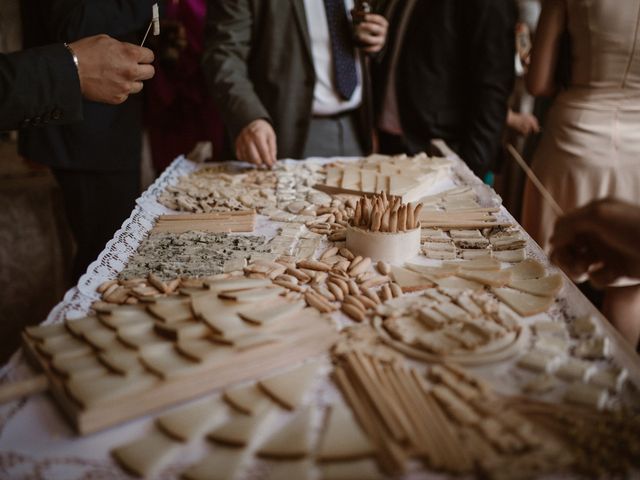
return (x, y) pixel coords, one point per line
(357, 216)
(410, 221)
(393, 221)
(366, 212)
(384, 227)
(402, 219)
(377, 220)
(416, 215)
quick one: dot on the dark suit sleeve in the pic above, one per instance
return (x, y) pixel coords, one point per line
(492, 52)
(39, 86)
(225, 63)
(70, 20)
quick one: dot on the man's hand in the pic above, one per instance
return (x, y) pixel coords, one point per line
(371, 32)
(110, 70)
(599, 240)
(256, 144)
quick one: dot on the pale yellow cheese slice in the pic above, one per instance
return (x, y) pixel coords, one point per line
(290, 470)
(248, 399)
(343, 438)
(101, 337)
(255, 295)
(105, 389)
(126, 315)
(266, 314)
(81, 325)
(490, 278)
(64, 346)
(203, 350)
(359, 470)
(172, 309)
(219, 465)
(219, 314)
(483, 263)
(169, 363)
(457, 283)
(408, 280)
(122, 361)
(238, 430)
(79, 367)
(526, 270)
(40, 332)
(288, 389)
(192, 421)
(292, 440)
(524, 304)
(548, 286)
(146, 455)
(433, 272)
(237, 283)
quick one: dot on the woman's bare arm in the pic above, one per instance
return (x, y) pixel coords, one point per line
(546, 46)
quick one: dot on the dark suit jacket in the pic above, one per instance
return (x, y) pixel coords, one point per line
(39, 86)
(109, 138)
(258, 63)
(454, 75)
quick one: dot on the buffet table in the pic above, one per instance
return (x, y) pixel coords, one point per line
(37, 442)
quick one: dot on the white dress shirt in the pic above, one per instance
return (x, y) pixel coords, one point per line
(326, 100)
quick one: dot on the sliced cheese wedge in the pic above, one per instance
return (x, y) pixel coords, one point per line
(146, 455)
(526, 270)
(292, 440)
(219, 465)
(172, 309)
(524, 304)
(288, 389)
(548, 286)
(490, 278)
(248, 399)
(343, 438)
(408, 280)
(191, 422)
(238, 430)
(433, 272)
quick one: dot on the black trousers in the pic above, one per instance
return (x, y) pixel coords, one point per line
(96, 204)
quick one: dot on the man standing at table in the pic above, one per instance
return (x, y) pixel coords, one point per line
(96, 162)
(447, 73)
(288, 78)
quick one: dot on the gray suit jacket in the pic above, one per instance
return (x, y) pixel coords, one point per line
(258, 64)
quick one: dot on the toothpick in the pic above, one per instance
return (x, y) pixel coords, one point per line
(155, 23)
(538, 184)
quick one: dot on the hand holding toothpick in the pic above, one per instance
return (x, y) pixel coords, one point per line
(155, 22)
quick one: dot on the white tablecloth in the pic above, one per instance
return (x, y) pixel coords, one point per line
(35, 440)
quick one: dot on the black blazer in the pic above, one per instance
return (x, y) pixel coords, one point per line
(39, 86)
(454, 75)
(109, 138)
(258, 64)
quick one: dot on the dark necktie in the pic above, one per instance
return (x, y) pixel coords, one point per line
(342, 48)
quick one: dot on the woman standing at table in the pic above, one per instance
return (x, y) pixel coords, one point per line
(591, 145)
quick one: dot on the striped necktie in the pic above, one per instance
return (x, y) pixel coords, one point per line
(342, 48)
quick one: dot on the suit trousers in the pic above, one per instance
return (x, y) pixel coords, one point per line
(335, 136)
(96, 204)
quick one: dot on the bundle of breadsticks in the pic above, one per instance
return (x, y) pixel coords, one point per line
(382, 213)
